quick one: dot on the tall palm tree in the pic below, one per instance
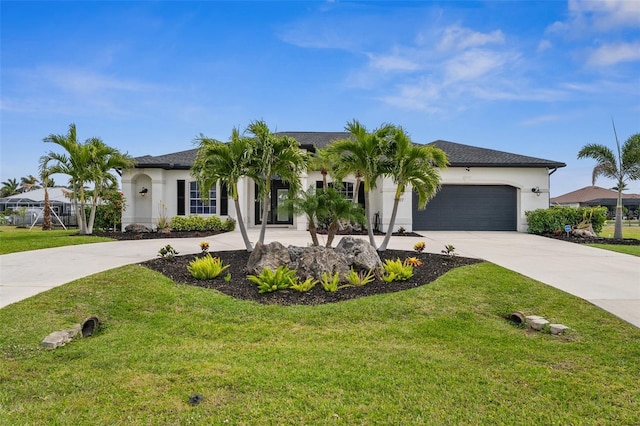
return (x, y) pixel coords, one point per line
(274, 156)
(46, 215)
(103, 160)
(415, 165)
(623, 167)
(323, 161)
(364, 156)
(227, 164)
(10, 187)
(85, 163)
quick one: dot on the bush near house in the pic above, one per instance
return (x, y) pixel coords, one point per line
(199, 223)
(554, 219)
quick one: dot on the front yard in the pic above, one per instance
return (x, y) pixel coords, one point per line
(439, 354)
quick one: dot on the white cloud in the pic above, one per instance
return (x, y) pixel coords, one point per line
(612, 54)
(544, 45)
(459, 38)
(586, 16)
(474, 64)
(540, 120)
(392, 62)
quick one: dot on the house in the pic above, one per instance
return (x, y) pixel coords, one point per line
(33, 201)
(597, 196)
(483, 189)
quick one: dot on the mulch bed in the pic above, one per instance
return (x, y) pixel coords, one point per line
(239, 287)
(599, 240)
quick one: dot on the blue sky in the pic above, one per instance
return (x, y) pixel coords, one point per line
(533, 78)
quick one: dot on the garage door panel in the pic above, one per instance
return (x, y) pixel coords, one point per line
(468, 208)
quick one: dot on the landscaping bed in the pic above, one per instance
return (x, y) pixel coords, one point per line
(434, 265)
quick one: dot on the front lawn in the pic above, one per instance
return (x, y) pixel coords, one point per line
(14, 239)
(438, 354)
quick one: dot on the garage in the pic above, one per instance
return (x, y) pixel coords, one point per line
(468, 208)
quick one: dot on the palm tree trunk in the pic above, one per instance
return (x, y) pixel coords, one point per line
(356, 189)
(331, 233)
(265, 212)
(313, 232)
(617, 232)
(367, 213)
(243, 229)
(92, 214)
(392, 222)
(46, 220)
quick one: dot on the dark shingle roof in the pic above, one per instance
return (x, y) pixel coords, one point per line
(459, 155)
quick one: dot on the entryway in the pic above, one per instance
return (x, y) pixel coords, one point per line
(276, 214)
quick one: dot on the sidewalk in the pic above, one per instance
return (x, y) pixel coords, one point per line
(606, 279)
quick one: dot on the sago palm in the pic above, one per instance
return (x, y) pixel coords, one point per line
(621, 168)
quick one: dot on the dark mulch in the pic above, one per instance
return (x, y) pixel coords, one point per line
(126, 236)
(239, 287)
(581, 240)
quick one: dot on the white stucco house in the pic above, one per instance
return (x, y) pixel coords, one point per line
(482, 189)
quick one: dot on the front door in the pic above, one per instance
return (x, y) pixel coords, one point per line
(276, 214)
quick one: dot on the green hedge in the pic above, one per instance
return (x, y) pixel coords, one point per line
(546, 221)
(199, 223)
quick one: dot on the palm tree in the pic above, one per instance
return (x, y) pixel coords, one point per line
(337, 208)
(28, 183)
(624, 167)
(10, 187)
(323, 161)
(363, 156)
(227, 164)
(415, 165)
(46, 216)
(103, 159)
(310, 204)
(89, 162)
(274, 156)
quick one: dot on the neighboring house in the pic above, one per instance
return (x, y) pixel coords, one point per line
(596, 196)
(483, 189)
(59, 200)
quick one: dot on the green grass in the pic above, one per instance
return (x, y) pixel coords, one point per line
(632, 250)
(13, 239)
(629, 230)
(440, 354)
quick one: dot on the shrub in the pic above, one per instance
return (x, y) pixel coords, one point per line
(213, 223)
(359, 279)
(206, 268)
(204, 246)
(268, 280)
(179, 223)
(419, 247)
(396, 270)
(554, 219)
(229, 224)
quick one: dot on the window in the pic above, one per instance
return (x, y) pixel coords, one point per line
(345, 189)
(197, 205)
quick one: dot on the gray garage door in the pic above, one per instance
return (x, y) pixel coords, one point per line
(468, 208)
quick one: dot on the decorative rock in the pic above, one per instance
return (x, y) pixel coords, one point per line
(557, 328)
(60, 338)
(314, 261)
(134, 228)
(532, 318)
(359, 254)
(538, 324)
(268, 256)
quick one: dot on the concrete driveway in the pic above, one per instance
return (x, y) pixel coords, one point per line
(606, 279)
